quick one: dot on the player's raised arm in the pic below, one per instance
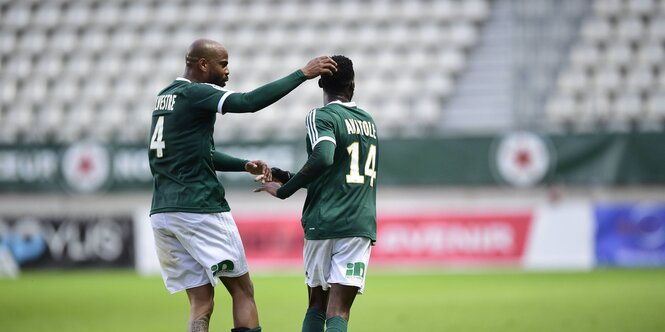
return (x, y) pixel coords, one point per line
(268, 94)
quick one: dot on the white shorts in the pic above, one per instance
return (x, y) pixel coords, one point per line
(337, 261)
(195, 249)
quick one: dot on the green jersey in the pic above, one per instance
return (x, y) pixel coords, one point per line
(181, 149)
(341, 202)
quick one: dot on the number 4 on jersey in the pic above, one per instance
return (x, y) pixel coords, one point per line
(157, 140)
(354, 175)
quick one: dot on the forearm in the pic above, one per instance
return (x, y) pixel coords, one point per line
(224, 162)
(320, 159)
(263, 96)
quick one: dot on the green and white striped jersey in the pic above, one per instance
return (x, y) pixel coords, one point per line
(341, 202)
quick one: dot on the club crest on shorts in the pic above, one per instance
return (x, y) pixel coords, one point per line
(223, 266)
(355, 270)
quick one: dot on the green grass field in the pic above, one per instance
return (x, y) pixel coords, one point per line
(604, 300)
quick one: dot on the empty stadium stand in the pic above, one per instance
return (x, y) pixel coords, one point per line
(77, 69)
(88, 69)
(613, 79)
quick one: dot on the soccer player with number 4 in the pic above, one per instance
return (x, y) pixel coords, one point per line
(196, 237)
(339, 214)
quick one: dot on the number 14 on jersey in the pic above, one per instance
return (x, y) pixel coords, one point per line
(354, 175)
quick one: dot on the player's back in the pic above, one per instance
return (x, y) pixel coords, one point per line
(342, 201)
(181, 148)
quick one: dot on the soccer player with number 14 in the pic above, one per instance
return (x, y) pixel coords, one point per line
(339, 215)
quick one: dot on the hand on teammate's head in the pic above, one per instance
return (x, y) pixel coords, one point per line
(318, 66)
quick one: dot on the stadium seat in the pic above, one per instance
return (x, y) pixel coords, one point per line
(619, 54)
(656, 29)
(108, 15)
(630, 29)
(32, 41)
(585, 56)
(651, 53)
(560, 110)
(628, 107)
(94, 39)
(77, 14)
(642, 7)
(597, 30)
(46, 15)
(608, 8)
(63, 40)
(573, 82)
(655, 107)
(640, 78)
(607, 79)
(17, 16)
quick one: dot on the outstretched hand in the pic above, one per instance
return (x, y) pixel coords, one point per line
(322, 65)
(260, 168)
(269, 187)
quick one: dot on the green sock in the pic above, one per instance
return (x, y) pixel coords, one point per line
(314, 320)
(336, 324)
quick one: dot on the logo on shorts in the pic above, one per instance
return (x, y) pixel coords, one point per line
(223, 266)
(356, 269)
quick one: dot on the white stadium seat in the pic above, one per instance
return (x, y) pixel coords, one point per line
(640, 79)
(642, 7)
(597, 30)
(619, 54)
(585, 55)
(628, 106)
(630, 28)
(608, 8)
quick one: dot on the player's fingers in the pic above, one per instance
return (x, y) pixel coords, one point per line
(259, 189)
(260, 178)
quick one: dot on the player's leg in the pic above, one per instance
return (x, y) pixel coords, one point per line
(201, 303)
(340, 300)
(315, 318)
(347, 278)
(316, 259)
(214, 241)
(245, 314)
(182, 271)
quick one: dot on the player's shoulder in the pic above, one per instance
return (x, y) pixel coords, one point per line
(322, 113)
(196, 88)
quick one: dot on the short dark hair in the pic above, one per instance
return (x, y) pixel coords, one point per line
(340, 80)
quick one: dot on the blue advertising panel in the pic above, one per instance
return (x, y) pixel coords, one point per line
(630, 235)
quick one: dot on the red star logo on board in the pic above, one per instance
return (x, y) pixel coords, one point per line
(85, 165)
(523, 158)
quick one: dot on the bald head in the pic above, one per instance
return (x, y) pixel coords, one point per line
(207, 62)
(203, 49)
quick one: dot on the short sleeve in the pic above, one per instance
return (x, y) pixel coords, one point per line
(209, 97)
(320, 127)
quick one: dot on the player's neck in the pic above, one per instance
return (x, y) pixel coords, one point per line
(327, 99)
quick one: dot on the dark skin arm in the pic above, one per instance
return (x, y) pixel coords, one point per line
(268, 94)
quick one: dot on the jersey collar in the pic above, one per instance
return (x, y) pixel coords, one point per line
(349, 104)
(183, 79)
